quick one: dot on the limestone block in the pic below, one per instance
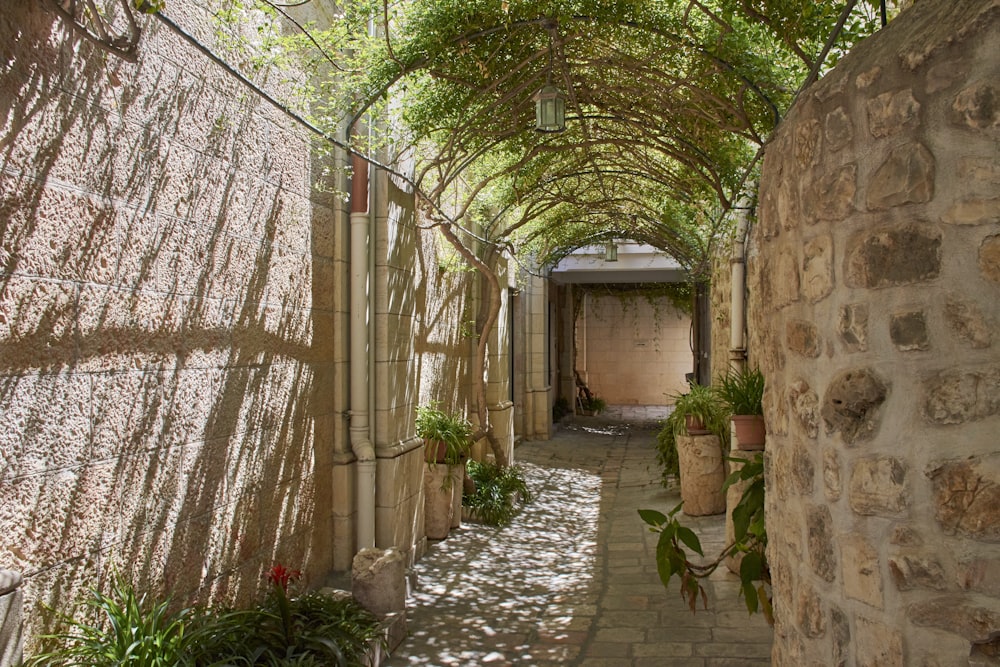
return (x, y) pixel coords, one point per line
(905, 536)
(838, 129)
(877, 645)
(976, 107)
(702, 473)
(852, 327)
(967, 322)
(803, 471)
(905, 177)
(981, 575)
(784, 281)
(789, 207)
(808, 140)
(982, 175)
(870, 76)
(831, 197)
(831, 474)
(944, 75)
(967, 495)
(957, 396)
(822, 552)
(803, 338)
(840, 632)
(769, 222)
(892, 112)
(910, 571)
(809, 611)
(989, 258)
(860, 570)
(817, 268)
(893, 256)
(908, 331)
(852, 404)
(878, 486)
(378, 580)
(957, 614)
(973, 211)
(804, 405)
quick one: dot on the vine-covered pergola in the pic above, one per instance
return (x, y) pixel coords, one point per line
(668, 108)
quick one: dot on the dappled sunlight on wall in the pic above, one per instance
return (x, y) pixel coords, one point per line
(166, 352)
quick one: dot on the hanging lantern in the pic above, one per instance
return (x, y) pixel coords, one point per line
(550, 109)
(610, 252)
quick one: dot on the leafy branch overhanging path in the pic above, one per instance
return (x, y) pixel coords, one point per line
(669, 106)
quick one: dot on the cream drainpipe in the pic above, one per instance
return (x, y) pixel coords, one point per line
(359, 429)
(737, 346)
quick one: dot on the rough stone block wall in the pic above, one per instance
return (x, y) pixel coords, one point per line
(875, 301)
(635, 350)
(167, 305)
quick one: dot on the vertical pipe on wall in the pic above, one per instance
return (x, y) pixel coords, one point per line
(361, 443)
(737, 305)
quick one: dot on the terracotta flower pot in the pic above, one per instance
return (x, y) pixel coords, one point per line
(694, 425)
(435, 451)
(750, 432)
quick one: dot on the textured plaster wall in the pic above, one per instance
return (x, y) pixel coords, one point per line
(169, 281)
(876, 303)
(633, 351)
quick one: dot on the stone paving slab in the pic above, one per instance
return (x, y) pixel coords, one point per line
(572, 581)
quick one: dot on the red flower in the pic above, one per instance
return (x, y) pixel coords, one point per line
(282, 576)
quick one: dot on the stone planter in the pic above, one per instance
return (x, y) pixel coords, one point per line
(703, 473)
(439, 501)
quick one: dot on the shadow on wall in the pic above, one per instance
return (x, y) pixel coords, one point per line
(444, 336)
(161, 384)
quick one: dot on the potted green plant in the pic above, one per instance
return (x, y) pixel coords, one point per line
(447, 441)
(700, 460)
(743, 392)
(699, 412)
(447, 436)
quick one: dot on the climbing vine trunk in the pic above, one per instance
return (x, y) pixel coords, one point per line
(490, 311)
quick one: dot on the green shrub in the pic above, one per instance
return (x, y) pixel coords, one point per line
(125, 629)
(593, 404)
(498, 488)
(704, 402)
(309, 629)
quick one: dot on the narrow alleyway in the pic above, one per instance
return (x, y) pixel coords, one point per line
(573, 580)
